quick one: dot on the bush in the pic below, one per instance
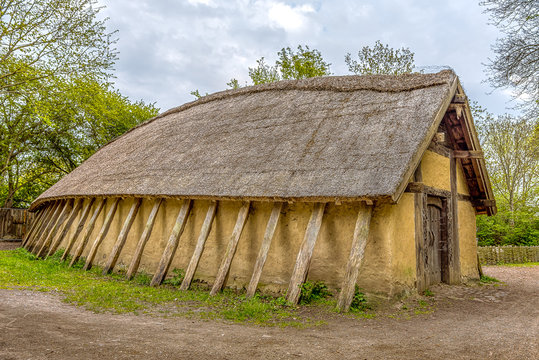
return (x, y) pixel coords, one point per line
(312, 291)
(359, 302)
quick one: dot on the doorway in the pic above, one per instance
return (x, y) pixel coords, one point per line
(436, 246)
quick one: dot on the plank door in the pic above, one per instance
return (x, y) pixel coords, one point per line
(433, 243)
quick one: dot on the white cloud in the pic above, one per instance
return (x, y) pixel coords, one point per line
(289, 18)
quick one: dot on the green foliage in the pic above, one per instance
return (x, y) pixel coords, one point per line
(359, 302)
(313, 291)
(488, 280)
(381, 59)
(302, 64)
(428, 292)
(176, 279)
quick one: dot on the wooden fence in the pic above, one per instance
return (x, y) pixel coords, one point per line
(492, 255)
(14, 223)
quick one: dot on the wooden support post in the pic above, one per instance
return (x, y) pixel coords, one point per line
(453, 242)
(421, 228)
(117, 249)
(135, 261)
(35, 235)
(172, 244)
(231, 249)
(45, 231)
(62, 233)
(264, 248)
(68, 204)
(35, 223)
(204, 233)
(357, 251)
(78, 229)
(102, 234)
(88, 231)
(305, 254)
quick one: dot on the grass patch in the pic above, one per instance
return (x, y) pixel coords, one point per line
(20, 269)
(528, 264)
(488, 280)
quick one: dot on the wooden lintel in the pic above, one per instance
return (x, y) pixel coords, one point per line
(122, 237)
(102, 234)
(357, 251)
(199, 248)
(172, 244)
(264, 248)
(231, 248)
(468, 154)
(135, 261)
(88, 231)
(303, 260)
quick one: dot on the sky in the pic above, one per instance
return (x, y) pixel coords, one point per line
(169, 48)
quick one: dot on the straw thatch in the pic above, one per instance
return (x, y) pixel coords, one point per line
(339, 137)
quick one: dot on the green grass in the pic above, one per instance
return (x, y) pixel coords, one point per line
(488, 280)
(528, 264)
(112, 293)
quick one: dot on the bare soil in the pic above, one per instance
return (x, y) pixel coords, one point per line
(459, 322)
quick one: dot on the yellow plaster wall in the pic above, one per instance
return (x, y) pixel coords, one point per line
(467, 241)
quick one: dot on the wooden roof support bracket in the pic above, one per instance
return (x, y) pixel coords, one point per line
(89, 228)
(199, 248)
(78, 229)
(305, 254)
(122, 237)
(172, 244)
(468, 154)
(102, 234)
(357, 251)
(135, 261)
(231, 249)
(77, 206)
(45, 230)
(264, 248)
(68, 204)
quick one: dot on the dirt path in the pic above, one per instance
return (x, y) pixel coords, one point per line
(468, 322)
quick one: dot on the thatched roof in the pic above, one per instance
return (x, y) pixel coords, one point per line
(337, 137)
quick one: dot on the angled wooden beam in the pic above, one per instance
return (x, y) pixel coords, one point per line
(101, 236)
(88, 231)
(305, 254)
(199, 248)
(135, 261)
(35, 223)
(68, 204)
(45, 230)
(62, 233)
(122, 237)
(172, 244)
(357, 251)
(264, 248)
(231, 248)
(32, 239)
(468, 154)
(78, 229)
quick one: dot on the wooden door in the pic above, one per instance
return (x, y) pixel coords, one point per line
(433, 243)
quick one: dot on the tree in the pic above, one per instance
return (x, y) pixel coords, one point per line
(304, 63)
(41, 39)
(516, 64)
(381, 59)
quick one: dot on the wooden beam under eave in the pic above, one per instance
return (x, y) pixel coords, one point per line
(199, 248)
(65, 227)
(135, 261)
(468, 154)
(172, 244)
(102, 234)
(45, 231)
(357, 251)
(88, 231)
(122, 237)
(43, 222)
(37, 220)
(68, 204)
(80, 226)
(231, 249)
(264, 248)
(303, 260)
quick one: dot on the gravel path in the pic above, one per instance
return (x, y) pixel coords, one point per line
(467, 322)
